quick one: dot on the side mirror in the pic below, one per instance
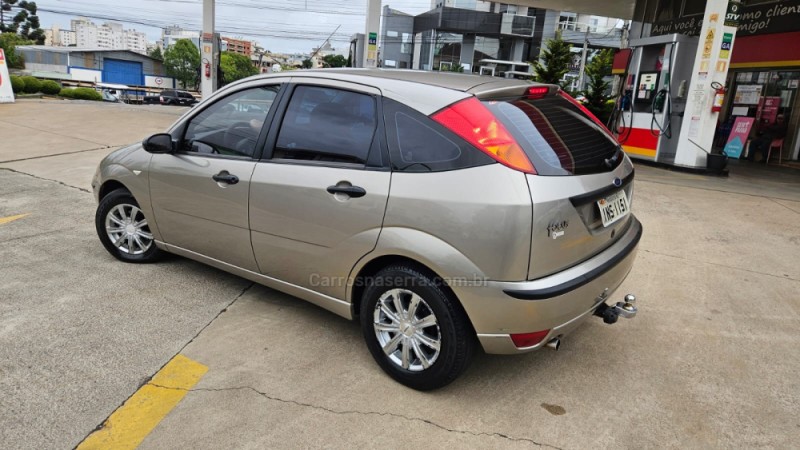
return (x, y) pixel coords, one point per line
(159, 143)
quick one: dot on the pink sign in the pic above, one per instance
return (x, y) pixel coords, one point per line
(738, 137)
(769, 112)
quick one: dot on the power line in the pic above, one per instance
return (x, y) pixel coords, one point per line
(296, 35)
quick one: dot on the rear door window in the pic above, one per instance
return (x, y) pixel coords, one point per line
(327, 125)
(557, 136)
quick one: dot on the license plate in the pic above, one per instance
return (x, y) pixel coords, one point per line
(613, 208)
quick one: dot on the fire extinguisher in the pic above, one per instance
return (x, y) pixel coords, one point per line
(207, 66)
(719, 96)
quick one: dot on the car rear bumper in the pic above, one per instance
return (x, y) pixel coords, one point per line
(558, 303)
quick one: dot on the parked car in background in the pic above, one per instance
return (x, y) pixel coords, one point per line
(113, 92)
(442, 211)
(171, 97)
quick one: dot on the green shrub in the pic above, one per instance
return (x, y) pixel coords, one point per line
(17, 84)
(32, 85)
(81, 93)
(50, 87)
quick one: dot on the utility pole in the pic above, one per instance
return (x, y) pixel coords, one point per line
(209, 51)
(583, 59)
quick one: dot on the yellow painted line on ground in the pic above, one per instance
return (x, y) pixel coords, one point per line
(127, 427)
(5, 220)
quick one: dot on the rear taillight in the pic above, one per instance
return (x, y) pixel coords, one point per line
(584, 110)
(478, 126)
(525, 340)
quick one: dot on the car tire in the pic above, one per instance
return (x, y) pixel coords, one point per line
(411, 334)
(123, 229)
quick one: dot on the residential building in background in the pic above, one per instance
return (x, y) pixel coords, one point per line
(172, 34)
(108, 36)
(239, 46)
(56, 37)
(324, 51)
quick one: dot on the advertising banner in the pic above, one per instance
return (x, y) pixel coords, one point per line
(6, 91)
(738, 137)
(769, 111)
(748, 94)
(761, 18)
(372, 49)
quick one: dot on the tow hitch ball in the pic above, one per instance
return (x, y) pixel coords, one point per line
(610, 313)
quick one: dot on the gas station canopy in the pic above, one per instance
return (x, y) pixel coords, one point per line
(621, 9)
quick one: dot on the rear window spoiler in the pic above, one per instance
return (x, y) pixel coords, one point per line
(503, 90)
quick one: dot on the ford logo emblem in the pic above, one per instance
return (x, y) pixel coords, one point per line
(617, 182)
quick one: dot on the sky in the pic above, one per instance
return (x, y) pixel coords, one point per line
(281, 26)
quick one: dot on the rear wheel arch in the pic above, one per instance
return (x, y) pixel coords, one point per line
(374, 266)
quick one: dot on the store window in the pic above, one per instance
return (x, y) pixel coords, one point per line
(764, 96)
(447, 51)
(486, 48)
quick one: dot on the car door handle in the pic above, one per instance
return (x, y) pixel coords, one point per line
(225, 177)
(350, 191)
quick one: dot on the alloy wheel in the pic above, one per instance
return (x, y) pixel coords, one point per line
(128, 230)
(407, 330)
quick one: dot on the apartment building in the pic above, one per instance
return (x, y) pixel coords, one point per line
(239, 46)
(108, 36)
(56, 37)
(172, 34)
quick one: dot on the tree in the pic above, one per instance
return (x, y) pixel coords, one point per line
(307, 63)
(155, 53)
(235, 67)
(335, 61)
(597, 70)
(181, 61)
(25, 22)
(5, 11)
(554, 62)
(9, 42)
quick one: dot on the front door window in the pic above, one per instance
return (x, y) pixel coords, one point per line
(231, 126)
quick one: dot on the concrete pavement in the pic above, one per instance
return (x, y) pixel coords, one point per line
(53, 139)
(710, 362)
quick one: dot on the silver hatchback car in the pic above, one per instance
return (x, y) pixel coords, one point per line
(444, 211)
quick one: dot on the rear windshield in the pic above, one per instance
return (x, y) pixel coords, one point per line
(557, 136)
